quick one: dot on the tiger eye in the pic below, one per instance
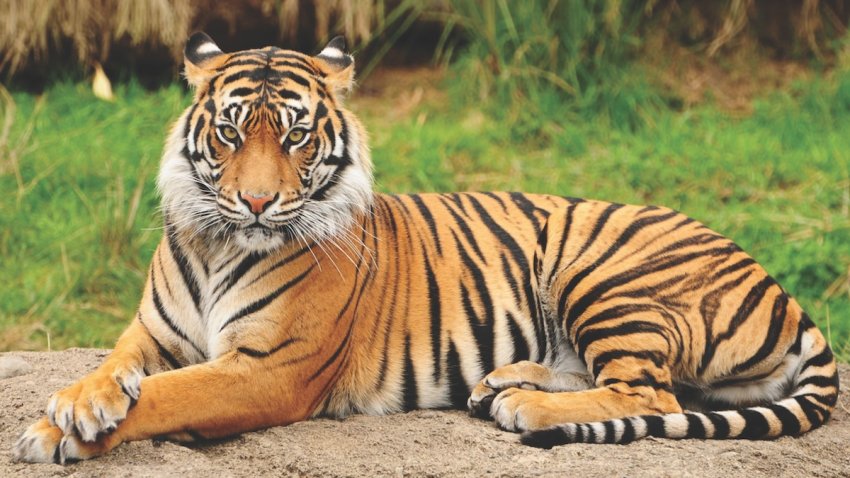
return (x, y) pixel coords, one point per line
(296, 135)
(229, 132)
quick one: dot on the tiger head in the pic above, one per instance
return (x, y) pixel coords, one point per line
(266, 153)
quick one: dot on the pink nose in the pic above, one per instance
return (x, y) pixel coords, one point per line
(257, 202)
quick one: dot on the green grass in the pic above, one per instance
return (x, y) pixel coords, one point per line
(78, 214)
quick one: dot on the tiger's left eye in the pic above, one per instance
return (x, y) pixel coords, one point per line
(229, 132)
(295, 136)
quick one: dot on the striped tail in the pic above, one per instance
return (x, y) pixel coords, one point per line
(813, 397)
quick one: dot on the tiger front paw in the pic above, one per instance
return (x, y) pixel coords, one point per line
(518, 410)
(96, 404)
(46, 443)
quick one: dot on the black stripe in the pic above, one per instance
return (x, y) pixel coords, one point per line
(163, 314)
(458, 389)
(810, 409)
(604, 358)
(296, 78)
(529, 209)
(646, 380)
(654, 425)
(816, 380)
(748, 305)
(702, 239)
(263, 302)
(342, 345)
(482, 330)
(163, 352)
(429, 219)
(820, 360)
(435, 315)
(256, 61)
(790, 423)
(720, 423)
(579, 433)
(243, 91)
(565, 231)
(610, 432)
(185, 268)
(321, 112)
(464, 228)
(628, 431)
(597, 228)
(280, 263)
(755, 424)
(517, 339)
(591, 433)
(410, 391)
(260, 354)
(239, 272)
(696, 429)
(774, 332)
(617, 312)
(627, 328)
(289, 94)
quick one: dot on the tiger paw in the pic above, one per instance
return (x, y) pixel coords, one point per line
(520, 410)
(96, 404)
(527, 376)
(46, 443)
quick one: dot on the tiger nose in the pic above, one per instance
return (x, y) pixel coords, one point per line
(257, 202)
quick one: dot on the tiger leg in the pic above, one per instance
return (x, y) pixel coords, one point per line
(627, 386)
(216, 399)
(98, 402)
(527, 376)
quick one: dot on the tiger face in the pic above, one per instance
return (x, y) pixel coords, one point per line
(266, 153)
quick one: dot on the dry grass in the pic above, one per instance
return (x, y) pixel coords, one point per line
(33, 30)
(806, 27)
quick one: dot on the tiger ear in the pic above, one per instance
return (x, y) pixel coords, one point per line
(337, 65)
(201, 57)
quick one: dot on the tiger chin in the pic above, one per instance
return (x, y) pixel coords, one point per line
(284, 289)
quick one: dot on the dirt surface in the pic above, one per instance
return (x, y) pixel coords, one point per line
(421, 443)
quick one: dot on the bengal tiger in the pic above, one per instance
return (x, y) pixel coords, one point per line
(284, 288)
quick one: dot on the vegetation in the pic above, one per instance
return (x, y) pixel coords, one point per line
(38, 32)
(557, 97)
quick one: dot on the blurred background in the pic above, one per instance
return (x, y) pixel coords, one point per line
(736, 112)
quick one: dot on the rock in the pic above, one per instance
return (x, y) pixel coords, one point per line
(12, 366)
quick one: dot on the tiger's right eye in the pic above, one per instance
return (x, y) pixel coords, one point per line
(229, 132)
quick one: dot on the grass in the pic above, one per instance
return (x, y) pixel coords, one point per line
(78, 214)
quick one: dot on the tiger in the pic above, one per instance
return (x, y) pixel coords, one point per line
(285, 288)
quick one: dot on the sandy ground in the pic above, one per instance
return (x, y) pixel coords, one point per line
(421, 443)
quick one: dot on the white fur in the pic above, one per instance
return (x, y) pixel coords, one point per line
(676, 425)
(208, 47)
(332, 53)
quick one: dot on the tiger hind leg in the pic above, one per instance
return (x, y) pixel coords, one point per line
(524, 375)
(626, 386)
